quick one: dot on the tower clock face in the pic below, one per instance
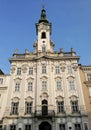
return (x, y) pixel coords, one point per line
(43, 27)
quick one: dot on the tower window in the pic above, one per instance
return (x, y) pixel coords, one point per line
(43, 35)
(43, 48)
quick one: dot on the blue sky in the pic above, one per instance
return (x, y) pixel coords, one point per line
(71, 27)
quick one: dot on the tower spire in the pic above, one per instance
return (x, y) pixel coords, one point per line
(43, 15)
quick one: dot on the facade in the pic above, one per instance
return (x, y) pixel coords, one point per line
(85, 73)
(44, 88)
(4, 83)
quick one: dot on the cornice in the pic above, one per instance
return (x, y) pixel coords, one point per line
(86, 68)
(38, 57)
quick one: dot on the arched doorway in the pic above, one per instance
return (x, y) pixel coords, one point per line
(45, 126)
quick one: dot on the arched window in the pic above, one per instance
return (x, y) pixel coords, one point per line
(43, 35)
(44, 107)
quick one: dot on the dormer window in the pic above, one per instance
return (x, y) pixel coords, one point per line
(43, 35)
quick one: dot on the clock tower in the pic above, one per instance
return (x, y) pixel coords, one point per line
(43, 30)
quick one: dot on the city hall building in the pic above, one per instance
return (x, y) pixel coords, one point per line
(44, 90)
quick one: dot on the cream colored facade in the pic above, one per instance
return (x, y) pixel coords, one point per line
(44, 88)
(85, 72)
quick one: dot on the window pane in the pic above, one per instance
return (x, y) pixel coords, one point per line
(27, 127)
(12, 127)
(44, 85)
(30, 85)
(1, 81)
(72, 85)
(62, 127)
(57, 70)
(43, 69)
(31, 71)
(74, 105)
(60, 106)
(17, 87)
(77, 127)
(28, 107)
(85, 126)
(18, 71)
(58, 85)
(14, 108)
(69, 70)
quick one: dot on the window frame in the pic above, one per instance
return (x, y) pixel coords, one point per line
(30, 86)
(30, 70)
(60, 106)
(14, 108)
(19, 71)
(12, 127)
(74, 106)
(69, 68)
(44, 85)
(44, 71)
(57, 69)
(1, 81)
(71, 84)
(27, 127)
(58, 85)
(28, 107)
(17, 87)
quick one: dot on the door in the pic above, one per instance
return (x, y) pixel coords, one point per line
(45, 126)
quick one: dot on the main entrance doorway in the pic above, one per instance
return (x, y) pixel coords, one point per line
(45, 126)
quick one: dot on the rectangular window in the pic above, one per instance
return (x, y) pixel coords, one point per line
(74, 106)
(28, 107)
(17, 87)
(72, 85)
(62, 127)
(58, 85)
(30, 85)
(77, 127)
(14, 108)
(27, 127)
(85, 126)
(60, 106)
(89, 76)
(12, 127)
(31, 71)
(0, 127)
(43, 69)
(57, 70)
(18, 71)
(1, 81)
(69, 69)
(44, 85)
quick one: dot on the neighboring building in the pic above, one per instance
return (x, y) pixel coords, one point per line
(85, 72)
(4, 81)
(45, 89)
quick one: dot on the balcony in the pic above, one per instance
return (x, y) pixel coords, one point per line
(81, 111)
(49, 114)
